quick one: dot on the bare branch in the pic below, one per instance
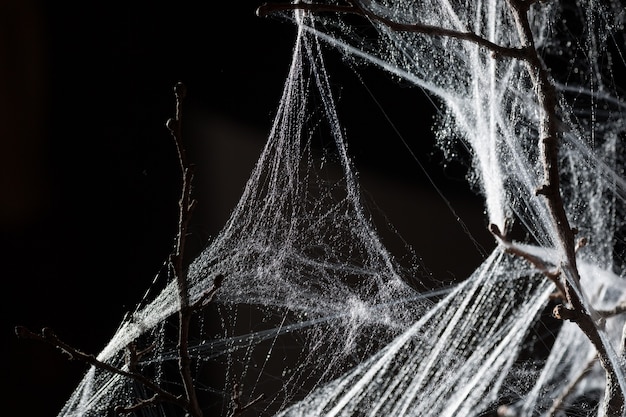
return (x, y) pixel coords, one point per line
(185, 205)
(189, 402)
(617, 310)
(549, 147)
(539, 264)
(354, 7)
(48, 336)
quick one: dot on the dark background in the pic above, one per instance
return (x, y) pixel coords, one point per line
(88, 174)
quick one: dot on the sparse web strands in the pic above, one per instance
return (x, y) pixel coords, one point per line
(130, 368)
(316, 317)
(48, 336)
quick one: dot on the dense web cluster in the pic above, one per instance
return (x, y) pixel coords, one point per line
(316, 315)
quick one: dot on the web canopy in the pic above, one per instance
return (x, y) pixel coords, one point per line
(317, 315)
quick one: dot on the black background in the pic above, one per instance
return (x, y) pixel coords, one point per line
(89, 181)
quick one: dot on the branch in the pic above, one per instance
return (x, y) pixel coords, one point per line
(189, 402)
(48, 336)
(613, 403)
(549, 149)
(617, 310)
(186, 205)
(539, 264)
(354, 7)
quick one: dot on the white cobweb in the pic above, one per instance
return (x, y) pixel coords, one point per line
(315, 314)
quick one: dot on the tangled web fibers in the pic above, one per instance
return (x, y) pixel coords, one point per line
(316, 314)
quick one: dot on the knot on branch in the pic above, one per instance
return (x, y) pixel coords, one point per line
(561, 312)
(581, 243)
(544, 190)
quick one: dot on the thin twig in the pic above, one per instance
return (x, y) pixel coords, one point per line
(48, 336)
(133, 356)
(354, 7)
(188, 402)
(613, 403)
(617, 310)
(539, 264)
(186, 205)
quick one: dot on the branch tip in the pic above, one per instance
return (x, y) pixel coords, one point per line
(495, 230)
(22, 332)
(262, 10)
(180, 90)
(48, 333)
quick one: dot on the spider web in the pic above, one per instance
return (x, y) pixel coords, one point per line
(318, 316)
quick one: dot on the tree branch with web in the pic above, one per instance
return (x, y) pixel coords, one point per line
(566, 276)
(189, 400)
(428, 359)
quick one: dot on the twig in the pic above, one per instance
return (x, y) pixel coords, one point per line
(48, 336)
(186, 205)
(133, 356)
(546, 95)
(188, 402)
(354, 7)
(539, 264)
(617, 310)
(613, 404)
